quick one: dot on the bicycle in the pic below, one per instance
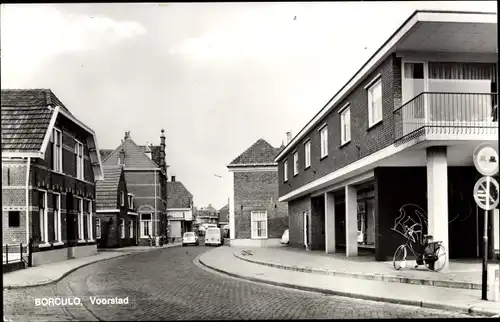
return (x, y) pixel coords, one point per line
(433, 257)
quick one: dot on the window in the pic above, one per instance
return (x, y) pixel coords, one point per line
(89, 220)
(307, 154)
(42, 212)
(57, 217)
(80, 219)
(324, 141)
(295, 163)
(259, 224)
(345, 126)
(146, 225)
(285, 170)
(56, 139)
(14, 218)
(98, 228)
(130, 229)
(375, 103)
(122, 198)
(131, 201)
(79, 160)
(122, 228)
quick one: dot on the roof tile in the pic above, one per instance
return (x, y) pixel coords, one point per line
(261, 152)
(178, 195)
(107, 189)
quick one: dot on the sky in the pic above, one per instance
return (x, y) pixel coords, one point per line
(215, 76)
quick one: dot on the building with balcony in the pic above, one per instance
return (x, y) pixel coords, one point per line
(206, 215)
(392, 150)
(50, 161)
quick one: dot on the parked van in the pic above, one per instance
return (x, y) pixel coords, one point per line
(213, 236)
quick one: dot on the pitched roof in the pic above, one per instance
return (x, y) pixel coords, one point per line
(134, 156)
(178, 195)
(26, 118)
(107, 189)
(155, 152)
(261, 152)
(30, 98)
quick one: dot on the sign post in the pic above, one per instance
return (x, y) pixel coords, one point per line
(486, 194)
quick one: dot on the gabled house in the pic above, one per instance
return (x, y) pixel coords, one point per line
(256, 217)
(223, 214)
(50, 161)
(393, 148)
(116, 220)
(179, 209)
(146, 179)
(206, 215)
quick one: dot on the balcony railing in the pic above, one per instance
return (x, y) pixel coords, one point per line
(446, 114)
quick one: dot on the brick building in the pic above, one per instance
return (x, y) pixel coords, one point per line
(393, 148)
(117, 222)
(145, 173)
(256, 217)
(179, 208)
(50, 162)
(223, 214)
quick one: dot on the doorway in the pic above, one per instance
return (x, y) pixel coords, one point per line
(307, 229)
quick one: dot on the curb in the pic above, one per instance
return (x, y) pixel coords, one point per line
(57, 279)
(372, 277)
(430, 305)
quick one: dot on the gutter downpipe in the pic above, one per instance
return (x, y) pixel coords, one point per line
(27, 200)
(154, 220)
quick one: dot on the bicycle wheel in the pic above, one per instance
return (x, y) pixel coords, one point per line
(440, 260)
(399, 260)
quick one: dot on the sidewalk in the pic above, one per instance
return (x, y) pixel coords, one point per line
(460, 274)
(462, 300)
(54, 272)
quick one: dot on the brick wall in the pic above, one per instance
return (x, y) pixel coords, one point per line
(258, 191)
(367, 140)
(296, 209)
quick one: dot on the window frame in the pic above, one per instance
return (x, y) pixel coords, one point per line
(131, 229)
(18, 218)
(323, 136)
(98, 228)
(307, 154)
(252, 222)
(57, 150)
(149, 223)
(371, 89)
(122, 198)
(80, 162)
(57, 217)
(295, 163)
(122, 228)
(344, 139)
(90, 232)
(43, 218)
(285, 170)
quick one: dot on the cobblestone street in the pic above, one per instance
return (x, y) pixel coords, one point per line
(166, 284)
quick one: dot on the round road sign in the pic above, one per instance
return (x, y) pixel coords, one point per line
(486, 197)
(486, 159)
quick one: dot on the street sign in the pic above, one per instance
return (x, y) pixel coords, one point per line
(486, 193)
(486, 159)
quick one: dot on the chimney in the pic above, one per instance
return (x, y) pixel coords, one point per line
(172, 178)
(121, 158)
(127, 135)
(162, 151)
(288, 137)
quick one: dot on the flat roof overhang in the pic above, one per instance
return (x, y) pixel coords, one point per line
(438, 31)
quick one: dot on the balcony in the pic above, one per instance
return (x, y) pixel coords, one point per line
(446, 116)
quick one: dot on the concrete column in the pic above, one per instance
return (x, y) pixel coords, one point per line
(437, 195)
(329, 223)
(351, 220)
